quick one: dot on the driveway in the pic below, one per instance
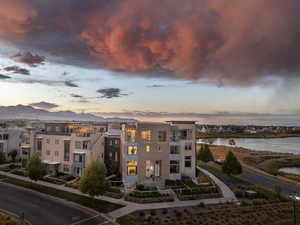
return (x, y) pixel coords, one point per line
(39, 209)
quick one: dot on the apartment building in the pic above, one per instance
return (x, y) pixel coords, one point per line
(67, 147)
(10, 140)
(154, 152)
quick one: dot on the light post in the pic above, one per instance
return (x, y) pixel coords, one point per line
(295, 199)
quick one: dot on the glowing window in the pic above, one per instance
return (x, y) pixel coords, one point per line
(148, 148)
(132, 168)
(131, 135)
(146, 135)
(132, 150)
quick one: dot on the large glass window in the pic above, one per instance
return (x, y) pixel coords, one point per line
(162, 136)
(188, 161)
(132, 168)
(148, 148)
(174, 149)
(149, 168)
(174, 166)
(131, 133)
(67, 150)
(132, 150)
(39, 144)
(146, 135)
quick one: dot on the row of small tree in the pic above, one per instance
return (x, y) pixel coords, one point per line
(230, 166)
(93, 182)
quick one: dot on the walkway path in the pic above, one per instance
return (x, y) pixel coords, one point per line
(228, 196)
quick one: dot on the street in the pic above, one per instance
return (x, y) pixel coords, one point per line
(39, 209)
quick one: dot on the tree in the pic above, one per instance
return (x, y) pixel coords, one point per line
(205, 154)
(35, 168)
(93, 182)
(13, 155)
(2, 157)
(231, 165)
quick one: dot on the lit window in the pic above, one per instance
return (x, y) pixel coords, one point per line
(188, 161)
(132, 168)
(132, 150)
(174, 166)
(146, 135)
(148, 148)
(149, 168)
(131, 135)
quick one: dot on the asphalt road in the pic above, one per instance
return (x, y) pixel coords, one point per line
(41, 210)
(260, 180)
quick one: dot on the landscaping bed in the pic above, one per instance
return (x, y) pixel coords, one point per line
(213, 215)
(148, 197)
(114, 192)
(7, 220)
(198, 193)
(98, 205)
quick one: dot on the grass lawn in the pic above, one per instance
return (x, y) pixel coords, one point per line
(98, 205)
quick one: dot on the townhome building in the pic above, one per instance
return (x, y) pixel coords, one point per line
(66, 147)
(155, 152)
(10, 140)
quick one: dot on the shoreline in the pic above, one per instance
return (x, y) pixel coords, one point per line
(254, 136)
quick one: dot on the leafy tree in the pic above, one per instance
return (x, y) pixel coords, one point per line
(35, 168)
(231, 165)
(2, 157)
(13, 155)
(93, 182)
(205, 154)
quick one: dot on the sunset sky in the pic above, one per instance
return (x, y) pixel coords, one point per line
(111, 58)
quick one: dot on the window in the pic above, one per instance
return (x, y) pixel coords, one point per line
(117, 142)
(48, 141)
(78, 158)
(56, 153)
(174, 166)
(39, 144)
(146, 135)
(174, 149)
(132, 150)
(1, 147)
(66, 168)
(159, 149)
(48, 152)
(131, 135)
(110, 142)
(183, 134)
(188, 146)
(5, 136)
(162, 136)
(56, 141)
(148, 148)
(78, 144)
(132, 168)
(149, 168)
(188, 161)
(67, 150)
(85, 144)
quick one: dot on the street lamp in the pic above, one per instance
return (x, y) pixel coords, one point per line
(295, 198)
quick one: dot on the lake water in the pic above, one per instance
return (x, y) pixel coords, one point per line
(292, 170)
(283, 145)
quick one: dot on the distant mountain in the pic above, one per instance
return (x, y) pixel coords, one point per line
(29, 112)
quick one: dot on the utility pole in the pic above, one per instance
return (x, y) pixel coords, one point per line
(295, 216)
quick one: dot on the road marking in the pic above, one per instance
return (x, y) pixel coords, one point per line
(84, 220)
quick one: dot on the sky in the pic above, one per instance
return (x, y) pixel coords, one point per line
(117, 58)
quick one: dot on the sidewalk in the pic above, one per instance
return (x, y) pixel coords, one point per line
(228, 196)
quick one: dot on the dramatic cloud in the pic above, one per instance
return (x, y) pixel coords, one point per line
(229, 42)
(18, 70)
(29, 59)
(2, 77)
(111, 93)
(44, 105)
